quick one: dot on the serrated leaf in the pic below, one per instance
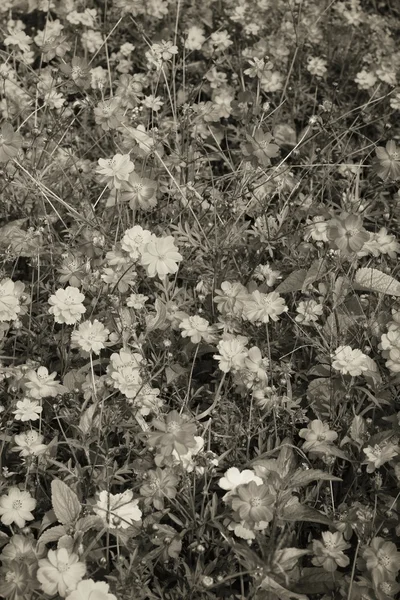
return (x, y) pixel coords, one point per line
(300, 477)
(87, 523)
(374, 280)
(293, 282)
(65, 502)
(301, 512)
(52, 535)
(315, 272)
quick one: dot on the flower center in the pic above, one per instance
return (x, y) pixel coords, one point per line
(76, 72)
(17, 505)
(256, 501)
(11, 577)
(173, 427)
(384, 560)
(62, 567)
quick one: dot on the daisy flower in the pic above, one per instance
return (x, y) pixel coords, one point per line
(16, 580)
(159, 484)
(16, 507)
(140, 192)
(41, 384)
(66, 305)
(160, 257)
(195, 38)
(379, 454)
(90, 337)
(261, 308)
(60, 572)
(118, 511)
(87, 589)
(27, 410)
(382, 559)
(116, 170)
(349, 361)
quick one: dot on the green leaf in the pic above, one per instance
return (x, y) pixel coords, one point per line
(373, 280)
(88, 522)
(293, 282)
(65, 502)
(315, 272)
(301, 477)
(280, 592)
(301, 512)
(52, 535)
(174, 372)
(318, 581)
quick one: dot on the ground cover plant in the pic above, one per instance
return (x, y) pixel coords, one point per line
(199, 299)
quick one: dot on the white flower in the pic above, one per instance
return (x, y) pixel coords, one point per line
(66, 305)
(260, 308)
(232, 353)
(124, 370)
(20, 39)
(9, 299)
(315, 434)
(195, 38)
(160, 257)
(87, 589)
(308, 311)
(136, 301)
(27, 410)
(233, 478)
(29, 443)
(16, 507)
(134, 241)
(197, 329)
(118, 511)
(186, 460)
(41, 384)
(92, 40)
(365, 79)
(317, 229)
(153, 102)
(115, 170)
(317, 66)
(90, 337)
(220, 40)
(349, 361)
(379, 454)
(60, 572)
(266, 274)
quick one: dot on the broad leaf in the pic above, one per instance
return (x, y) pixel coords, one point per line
(301, 477)
(65, 502)
(301, 512)
(282, 593)
(374, 280)
(52, 535)
(315, 272)
(293, 282)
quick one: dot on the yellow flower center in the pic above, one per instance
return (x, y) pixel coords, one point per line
(17, 505)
